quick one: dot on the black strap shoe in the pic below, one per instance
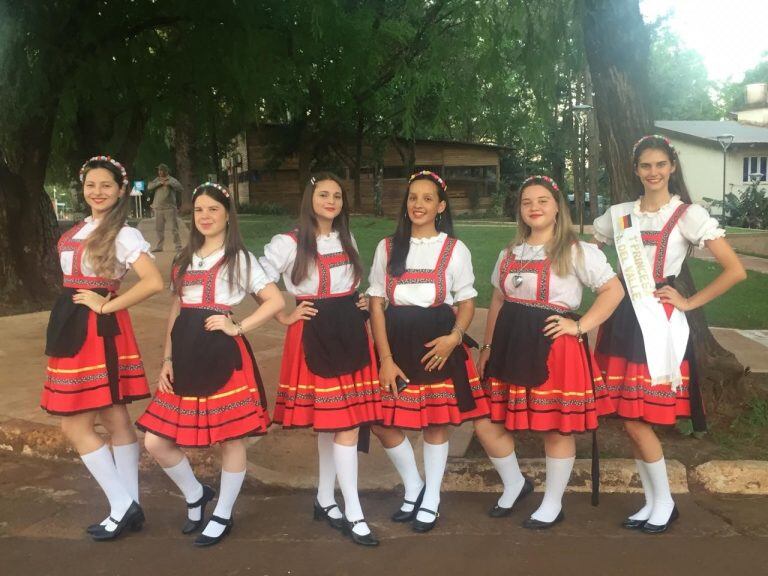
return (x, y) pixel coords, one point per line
(533, 524)
(402, 516)
(366, 540)
(135, 527)
(319, 512)
(191, 526)
(660, 528)
(419, 526)
(631, 524)
(202, 540)
(133, 519)
(500, 511)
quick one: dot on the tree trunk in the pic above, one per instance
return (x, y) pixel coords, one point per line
(617, 46)
(593, 145)
(183, 136)
(358, 201)
(378, 188)
(30, 275)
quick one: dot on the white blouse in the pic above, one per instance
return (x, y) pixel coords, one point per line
(695, 227)
(224, 294)
(590, 268)
(129, 245)
(423, 255)
(280, 254)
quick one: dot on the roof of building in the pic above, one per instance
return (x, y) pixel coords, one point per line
(710, 129)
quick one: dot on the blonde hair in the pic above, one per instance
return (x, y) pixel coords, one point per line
(558, 249)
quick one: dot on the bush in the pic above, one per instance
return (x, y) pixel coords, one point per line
(747, 210)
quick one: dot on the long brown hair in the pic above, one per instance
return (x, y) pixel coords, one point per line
(558, 249)
(401, 240)
(676, 180)
(234, 247)
(306, 237)
(100, 244)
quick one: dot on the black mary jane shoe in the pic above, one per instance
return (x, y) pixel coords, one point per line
(631, 524)
(660, 528)
(402, 516)
(501, 511)
(191, 526)
(533, 524)
(321, 512)
(133, 519)
(135, 527)
(419, 526)
(366, 540)
(202, 540)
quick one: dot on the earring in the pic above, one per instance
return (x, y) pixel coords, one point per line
(439, 218)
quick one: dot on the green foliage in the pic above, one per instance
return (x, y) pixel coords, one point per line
(747, 209)
(680, 89)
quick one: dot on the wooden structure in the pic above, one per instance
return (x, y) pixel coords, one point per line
(471, 171)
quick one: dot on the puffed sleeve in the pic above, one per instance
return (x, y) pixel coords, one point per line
(463, 276)
(255, 279)
(378, 275)
(591, 265)
(603, 228)
(129, 245)
(495, 273)
(697, 226)
(279, 256)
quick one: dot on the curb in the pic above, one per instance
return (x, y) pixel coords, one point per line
(617, 475)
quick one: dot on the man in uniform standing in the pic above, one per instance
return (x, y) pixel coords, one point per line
(166, 188)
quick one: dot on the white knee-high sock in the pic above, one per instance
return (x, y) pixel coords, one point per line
(231, 483)
(102, 468)
(184, 477)
(662, 496)
(405, 463)
(511, 477)
(127, 464)
(345, 458)
(435, 459)
(645, 512)
(326, 473)
(558, 474)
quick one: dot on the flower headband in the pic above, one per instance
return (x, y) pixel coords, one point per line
(653, 137)
(540, 178)
(204, 185)
(109, 159)
(432, 176)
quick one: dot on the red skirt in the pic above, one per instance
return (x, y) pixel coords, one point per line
(305, 399)
(629, 385)
(81, 383)
(423, 405)
(236, 410)
(570, 400)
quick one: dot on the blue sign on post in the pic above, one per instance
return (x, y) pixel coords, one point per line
(139, 185)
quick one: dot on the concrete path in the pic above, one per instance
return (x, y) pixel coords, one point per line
(285, 458)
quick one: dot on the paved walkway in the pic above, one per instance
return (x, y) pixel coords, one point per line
(281, 457)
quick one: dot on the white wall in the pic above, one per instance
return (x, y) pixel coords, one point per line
(756, 116)
(703, 169)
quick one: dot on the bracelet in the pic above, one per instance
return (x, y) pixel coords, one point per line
(385, 357)
(459, 330)
(101, 309)
(167, 359)
(239, 327)
(485, 347)
(579, 333)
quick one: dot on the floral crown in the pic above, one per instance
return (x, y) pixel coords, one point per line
(540, 178)
(653, 137)
(432, 176)
(205, 185)
(109, 159)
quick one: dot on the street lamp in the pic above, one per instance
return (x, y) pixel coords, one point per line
(725, 141)
(582, 109)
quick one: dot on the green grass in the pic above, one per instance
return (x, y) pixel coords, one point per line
(745, 306)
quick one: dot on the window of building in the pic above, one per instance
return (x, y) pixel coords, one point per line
(754, 165)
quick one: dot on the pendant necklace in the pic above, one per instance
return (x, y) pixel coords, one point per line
(201, 259)
(517, 277)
